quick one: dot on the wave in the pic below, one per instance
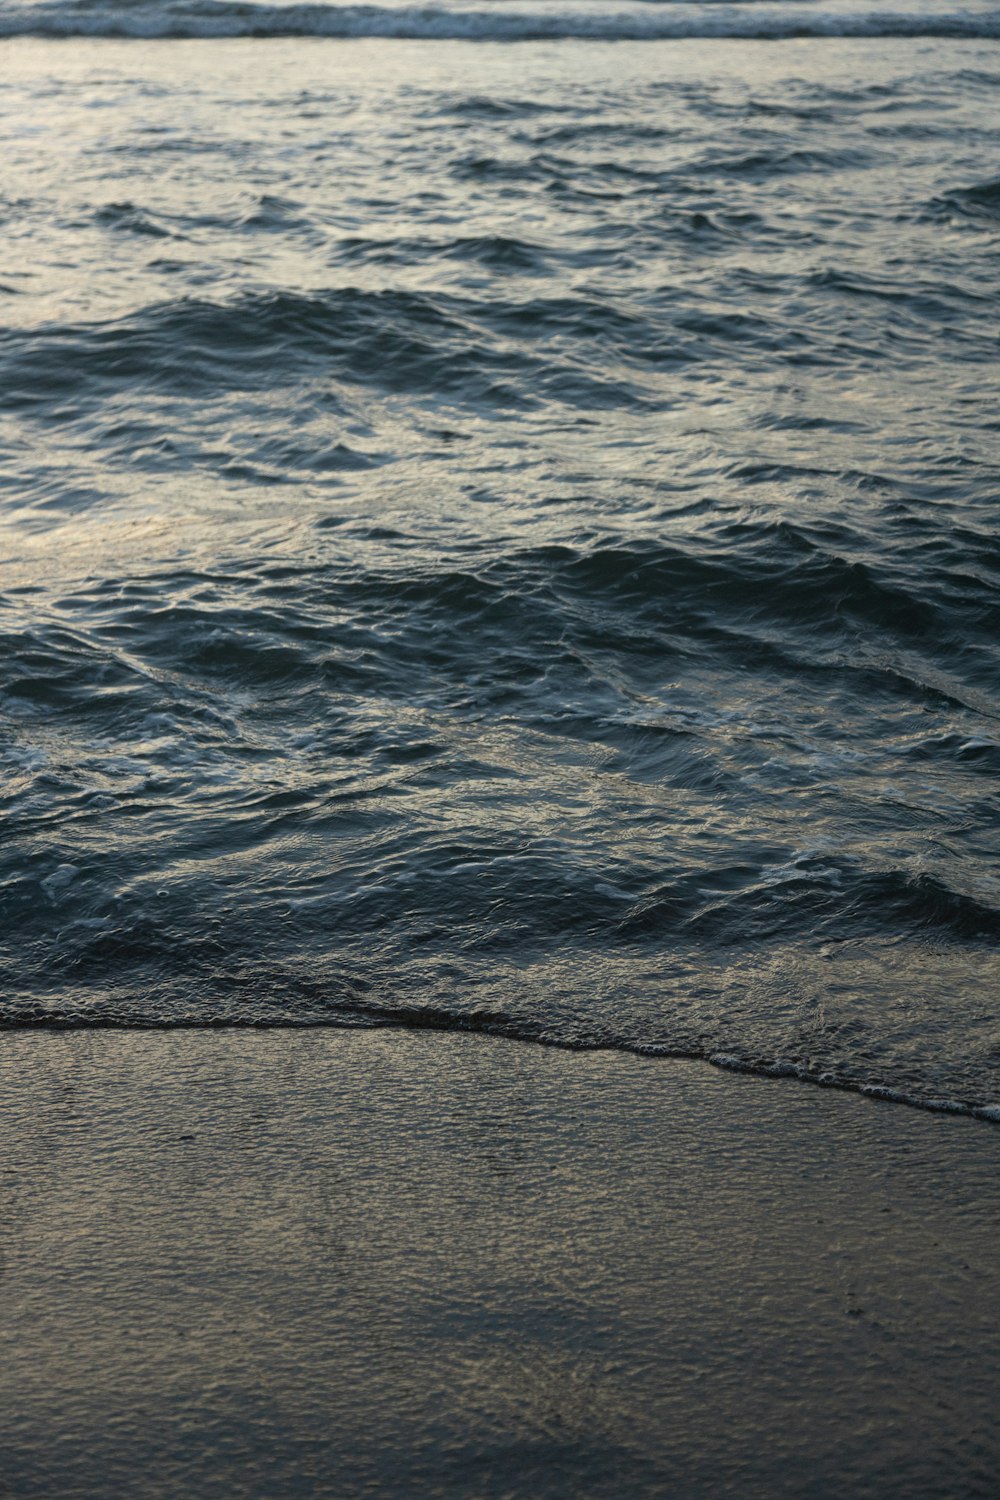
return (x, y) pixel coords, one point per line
(217, 19)
(980, 201)
(511, 353)
(399, 342)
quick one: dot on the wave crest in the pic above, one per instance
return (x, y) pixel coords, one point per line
(217, 19)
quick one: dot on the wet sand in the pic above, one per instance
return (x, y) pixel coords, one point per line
(377, 1263)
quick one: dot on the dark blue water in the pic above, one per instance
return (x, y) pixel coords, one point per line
(504, 535)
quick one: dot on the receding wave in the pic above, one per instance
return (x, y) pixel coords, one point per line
(511, 552)
(217, 19)
(362, 1015)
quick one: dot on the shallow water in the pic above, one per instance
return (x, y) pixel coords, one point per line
(503, 535)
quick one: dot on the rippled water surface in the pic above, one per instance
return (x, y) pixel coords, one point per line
(504, 534)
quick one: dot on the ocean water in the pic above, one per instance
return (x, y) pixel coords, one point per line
(499, 526)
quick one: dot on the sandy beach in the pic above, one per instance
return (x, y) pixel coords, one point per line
(376, 1263)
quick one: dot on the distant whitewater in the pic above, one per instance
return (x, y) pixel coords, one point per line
(504, 537)
(503, 20)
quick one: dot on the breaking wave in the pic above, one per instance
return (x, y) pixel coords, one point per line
(667, 21)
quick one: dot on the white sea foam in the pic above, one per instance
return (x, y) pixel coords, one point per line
(25, 758)
(831, 1080)
(60, 877)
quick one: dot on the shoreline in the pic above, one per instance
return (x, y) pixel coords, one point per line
(380, 1262)
(423, 1021)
